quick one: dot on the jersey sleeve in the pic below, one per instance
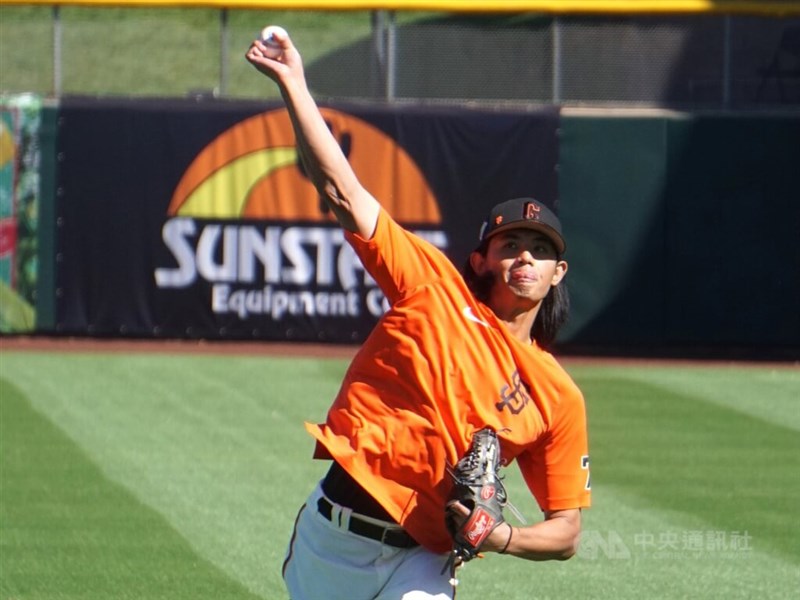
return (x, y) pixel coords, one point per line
(398, 260)
(556, 469)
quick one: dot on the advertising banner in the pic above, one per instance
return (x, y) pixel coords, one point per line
(197, 220)
(20, 119)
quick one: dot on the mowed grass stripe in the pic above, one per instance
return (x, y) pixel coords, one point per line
(627, 568)
(216, 446)
(68, 532)
(683, 454)
(770, 393)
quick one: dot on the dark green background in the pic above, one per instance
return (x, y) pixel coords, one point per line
(683, 231)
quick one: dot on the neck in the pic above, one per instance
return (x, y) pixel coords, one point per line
(519, 322)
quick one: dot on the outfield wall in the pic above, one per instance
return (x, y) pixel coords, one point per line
(682, 229)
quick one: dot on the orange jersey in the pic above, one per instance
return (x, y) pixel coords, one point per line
(437, 367)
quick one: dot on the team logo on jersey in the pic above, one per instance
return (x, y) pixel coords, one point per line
(514, 397)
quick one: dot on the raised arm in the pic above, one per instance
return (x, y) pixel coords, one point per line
(325, 163)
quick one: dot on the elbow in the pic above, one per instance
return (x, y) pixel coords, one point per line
(569, 526)
(570, 549)
(565, 554)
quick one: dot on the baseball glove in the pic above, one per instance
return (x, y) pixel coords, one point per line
(478, 487)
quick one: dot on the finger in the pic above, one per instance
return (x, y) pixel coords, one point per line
(261, 53)
(254, 51)
(457, 508)
(259, 49)
(281, 36)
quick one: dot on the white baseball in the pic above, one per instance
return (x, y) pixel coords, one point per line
(274, 48)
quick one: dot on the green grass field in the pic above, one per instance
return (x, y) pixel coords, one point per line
(178, 476)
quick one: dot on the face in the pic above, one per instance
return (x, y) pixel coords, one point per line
(525, 266)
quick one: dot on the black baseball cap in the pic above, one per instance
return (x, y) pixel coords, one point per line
(525, 213)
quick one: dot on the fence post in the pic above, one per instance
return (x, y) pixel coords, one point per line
(223, 52)
(556, 76)
(57, 51)
(391, 57)
(384, 48)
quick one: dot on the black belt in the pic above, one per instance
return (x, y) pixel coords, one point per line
(391, 536)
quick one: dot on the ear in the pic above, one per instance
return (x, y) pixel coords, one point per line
(561, 271)
(478, 262)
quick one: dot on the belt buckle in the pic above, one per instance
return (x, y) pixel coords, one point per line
(384, 534)
(393, 536)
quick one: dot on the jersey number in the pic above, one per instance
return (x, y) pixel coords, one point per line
(585, 466)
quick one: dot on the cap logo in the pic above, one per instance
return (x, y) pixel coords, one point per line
(532, 211)
(524, 213)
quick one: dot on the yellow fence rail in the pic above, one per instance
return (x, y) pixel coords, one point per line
(777, 8)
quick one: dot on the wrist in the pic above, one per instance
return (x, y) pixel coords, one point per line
(293, 85)
(508, 541)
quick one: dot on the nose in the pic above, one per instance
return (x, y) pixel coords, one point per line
(526, 258)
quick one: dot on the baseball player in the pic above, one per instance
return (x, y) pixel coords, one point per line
(454, 355)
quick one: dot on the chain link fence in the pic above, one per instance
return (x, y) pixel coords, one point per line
(683, 62)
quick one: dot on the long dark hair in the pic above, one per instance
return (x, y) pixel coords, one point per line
(552, 314)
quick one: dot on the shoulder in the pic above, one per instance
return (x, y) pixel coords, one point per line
(553, 365)
(568, 396)
(393, 242)
(400, 260)
(386, 230)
